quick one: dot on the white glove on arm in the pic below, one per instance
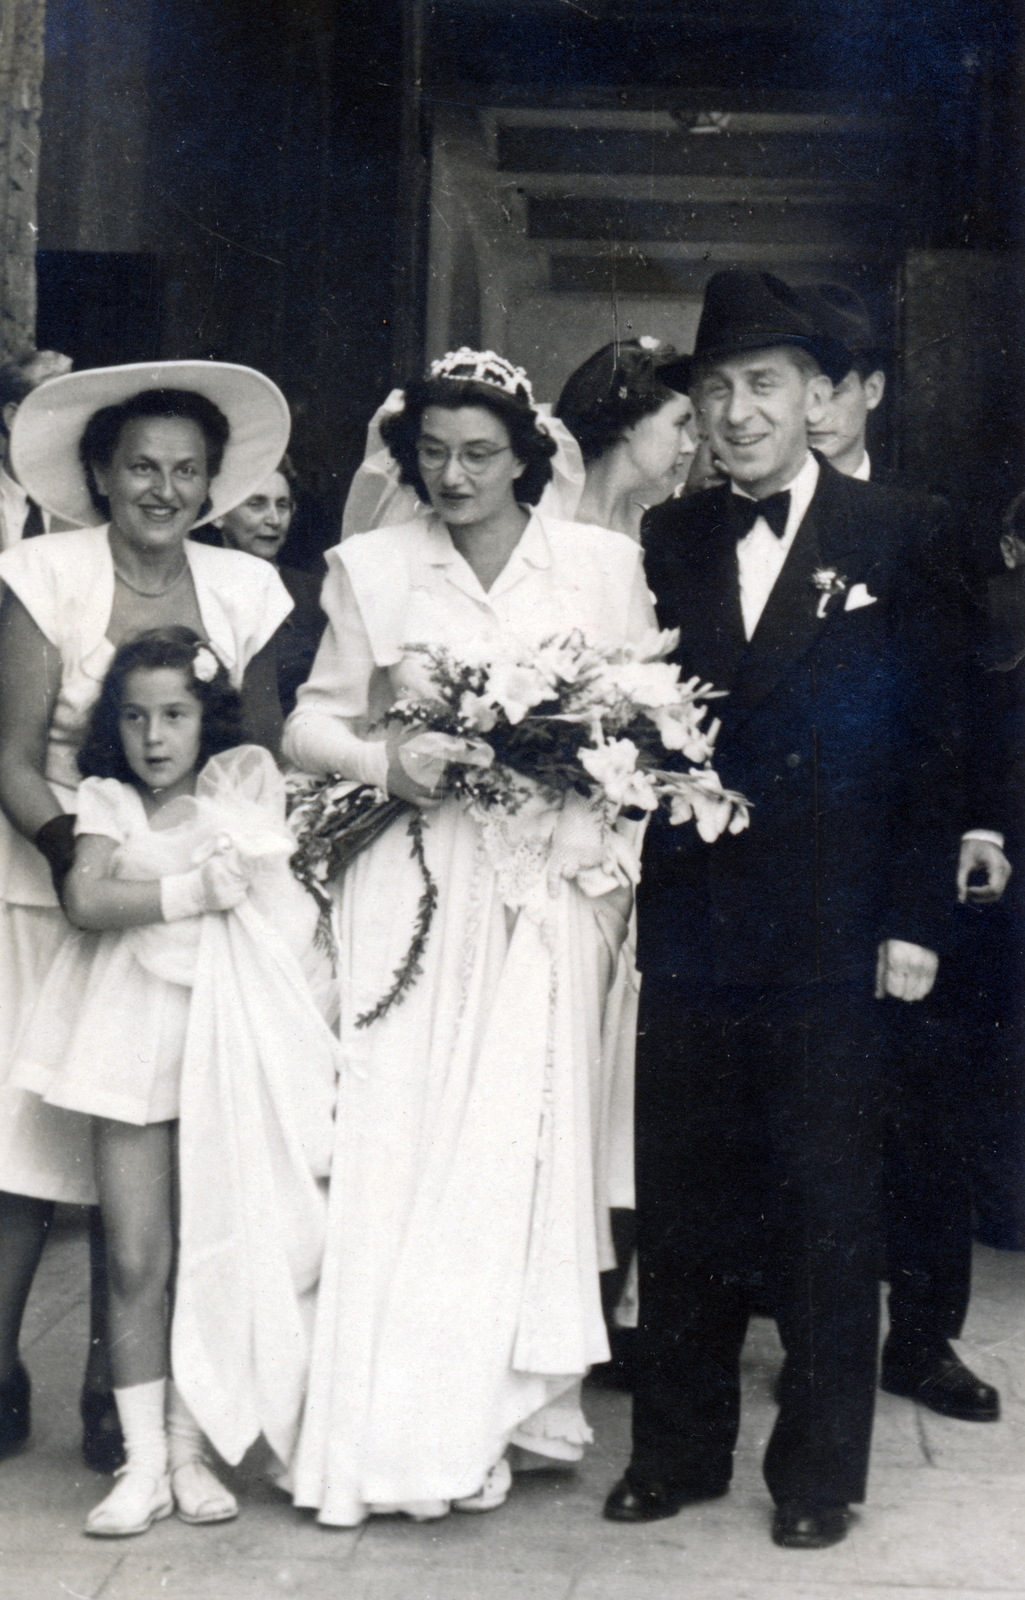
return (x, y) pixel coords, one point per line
(218, 885)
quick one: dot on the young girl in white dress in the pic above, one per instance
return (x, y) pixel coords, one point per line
(181, 1016)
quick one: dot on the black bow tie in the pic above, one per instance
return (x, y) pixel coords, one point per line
(744, 513)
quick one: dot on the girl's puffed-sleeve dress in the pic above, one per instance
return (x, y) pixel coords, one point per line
(459, 1299)
(211, 1020)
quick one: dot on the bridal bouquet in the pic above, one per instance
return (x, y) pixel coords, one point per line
(569, 717)
(546, 748)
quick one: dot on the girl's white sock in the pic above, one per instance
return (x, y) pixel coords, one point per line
(184, 1438)
(141, 1410)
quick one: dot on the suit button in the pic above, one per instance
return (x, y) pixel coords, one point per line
(793, 760)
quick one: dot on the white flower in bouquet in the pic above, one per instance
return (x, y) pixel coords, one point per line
(701, 796)
(516, 687)
(613, 764)
(645, 683)
(654, 646)
(680, 729)
(566, 659)
(478, 711)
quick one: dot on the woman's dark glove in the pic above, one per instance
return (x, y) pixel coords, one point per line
(56, 841)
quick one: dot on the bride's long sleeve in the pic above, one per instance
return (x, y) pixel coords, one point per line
(324, 734)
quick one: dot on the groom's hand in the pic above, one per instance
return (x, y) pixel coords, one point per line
(982, 855)
(906, 971)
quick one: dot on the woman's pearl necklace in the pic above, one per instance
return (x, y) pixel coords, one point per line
(152, 594)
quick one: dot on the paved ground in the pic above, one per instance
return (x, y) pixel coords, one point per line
(945, 1517)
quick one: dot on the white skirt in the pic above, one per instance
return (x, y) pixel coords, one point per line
(45, 1151)
(459, 1295)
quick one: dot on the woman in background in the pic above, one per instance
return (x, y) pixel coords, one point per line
(628, 410)
(259, 526)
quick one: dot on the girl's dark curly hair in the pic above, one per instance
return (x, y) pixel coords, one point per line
(102, 753)
(103, 430)
(615, 388)
(529, 444)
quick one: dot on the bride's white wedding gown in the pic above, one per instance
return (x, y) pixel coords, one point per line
(459, 1301)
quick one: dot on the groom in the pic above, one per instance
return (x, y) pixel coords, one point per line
(765, 956)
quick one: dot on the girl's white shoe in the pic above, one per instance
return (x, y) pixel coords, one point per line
(198, 1495)
(139, 1499)
(492, 1493)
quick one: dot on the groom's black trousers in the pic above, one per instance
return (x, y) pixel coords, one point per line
(759, 1129)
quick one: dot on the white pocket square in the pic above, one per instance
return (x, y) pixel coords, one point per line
(858, 596)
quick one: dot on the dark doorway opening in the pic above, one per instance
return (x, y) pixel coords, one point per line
(100, 308)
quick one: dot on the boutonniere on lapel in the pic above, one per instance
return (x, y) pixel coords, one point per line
(829, 584)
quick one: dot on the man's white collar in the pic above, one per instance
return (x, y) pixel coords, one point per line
(807, 474)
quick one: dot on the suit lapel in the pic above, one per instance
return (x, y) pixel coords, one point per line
(791, 624)
(712, 625)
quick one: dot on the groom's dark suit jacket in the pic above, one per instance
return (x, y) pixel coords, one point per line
(843, 730)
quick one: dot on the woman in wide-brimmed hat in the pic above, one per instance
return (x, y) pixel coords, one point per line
(137, 455)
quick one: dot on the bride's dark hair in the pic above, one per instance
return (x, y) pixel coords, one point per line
(529, 444)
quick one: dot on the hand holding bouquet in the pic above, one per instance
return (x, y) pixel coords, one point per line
(612, 725)
(547, 746)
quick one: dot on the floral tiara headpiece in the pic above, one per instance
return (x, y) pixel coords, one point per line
(484, 366)
(204, 664)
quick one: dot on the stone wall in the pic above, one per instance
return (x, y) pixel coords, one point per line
(21, 73)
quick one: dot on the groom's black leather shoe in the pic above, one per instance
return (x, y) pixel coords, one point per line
(654, 1501)
(938, 1379)
(797, 1526)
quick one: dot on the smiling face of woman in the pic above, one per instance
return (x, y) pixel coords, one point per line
(661, 443)
(157, 480)
(260, 524)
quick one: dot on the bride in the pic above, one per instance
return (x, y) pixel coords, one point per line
(459, 1301)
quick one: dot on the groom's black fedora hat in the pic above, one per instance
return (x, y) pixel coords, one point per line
(757, 311)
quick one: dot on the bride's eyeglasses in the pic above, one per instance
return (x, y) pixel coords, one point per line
(473, 458)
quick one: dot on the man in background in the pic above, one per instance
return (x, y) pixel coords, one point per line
(928, 1157)
(840, 433)
(20, 517)
(996, 1044)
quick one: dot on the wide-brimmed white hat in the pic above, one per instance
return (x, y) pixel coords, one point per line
(51, 420)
